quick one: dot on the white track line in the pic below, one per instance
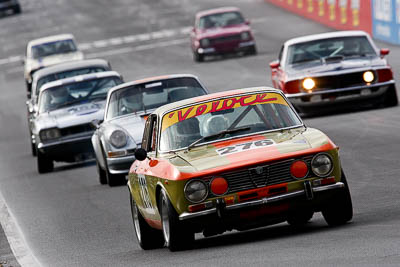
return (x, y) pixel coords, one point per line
(178, 32)
(15, 237)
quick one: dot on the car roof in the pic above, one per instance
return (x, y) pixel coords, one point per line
(168, 107)
(150, 79)
(51, 38)
(313, 37)
(215, 11)
(71, 65)
(80, 78)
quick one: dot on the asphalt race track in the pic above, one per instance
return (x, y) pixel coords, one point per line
(69, 219)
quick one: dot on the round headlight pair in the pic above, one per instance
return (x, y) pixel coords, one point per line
(50, 134)
(118, 138)
(322, 165)
(204, 42)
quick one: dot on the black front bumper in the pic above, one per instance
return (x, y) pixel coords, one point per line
(261, 212)
(68, 150)
(334, 98)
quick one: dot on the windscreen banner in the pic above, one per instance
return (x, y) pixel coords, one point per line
(337, 14)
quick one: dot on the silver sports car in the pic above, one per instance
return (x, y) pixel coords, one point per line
(128, 106)
(61, 126)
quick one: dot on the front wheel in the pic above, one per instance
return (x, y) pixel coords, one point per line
(198, 57)
(44, 164)
(390, 97)
(148, 238)
(101, 173)
(115, 179)
(339, 209)
(177, 236)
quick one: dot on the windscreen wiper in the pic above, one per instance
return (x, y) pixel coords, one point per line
(220, 135)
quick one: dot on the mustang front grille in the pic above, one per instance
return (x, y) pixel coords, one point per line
(83, 128)
(262, 175)
(340, 81)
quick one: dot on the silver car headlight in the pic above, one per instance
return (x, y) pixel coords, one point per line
(49, 134)
(245, 36)
(196, 191)
(118, 138)
(322, 165)
(204, 42)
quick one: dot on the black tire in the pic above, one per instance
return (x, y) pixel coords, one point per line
(252, 50)
(300, 217)
(148, 237)
(198, 57)
(33, 148)
(115, 179)
(44, 164)
(176, 234)
(339, 209)
(17, 9)
(390, 97)
(101, 173)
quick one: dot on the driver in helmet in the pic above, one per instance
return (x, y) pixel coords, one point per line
(131, 103)
(60, 95)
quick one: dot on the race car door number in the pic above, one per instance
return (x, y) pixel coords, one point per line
(243, 147)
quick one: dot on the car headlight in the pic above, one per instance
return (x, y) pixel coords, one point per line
(196, 191)
(322, 165)
(245, 36)
(50, 134)
(204, 42)
(118, 138)
(308, 84)
(368, 76)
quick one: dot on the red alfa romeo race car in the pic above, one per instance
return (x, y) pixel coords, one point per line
(324, 70)
(232, 160)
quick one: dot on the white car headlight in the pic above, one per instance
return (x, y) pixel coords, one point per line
(245, 36)
(49, 134)
(196, 191)
(204, 42)
(118, 138)
(322, 165)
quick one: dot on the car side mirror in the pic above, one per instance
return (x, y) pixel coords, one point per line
(95, 123)
(247, 22)
(140, 154)
(274, 64)
(384, 52)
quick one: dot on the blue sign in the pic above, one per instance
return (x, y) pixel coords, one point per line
(386, 20)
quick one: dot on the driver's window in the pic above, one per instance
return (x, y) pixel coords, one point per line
(146, 133)
(153, 140)
(280, 54)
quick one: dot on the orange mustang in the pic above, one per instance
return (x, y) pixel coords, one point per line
(232, 160)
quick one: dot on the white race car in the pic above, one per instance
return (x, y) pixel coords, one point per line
(48, 51)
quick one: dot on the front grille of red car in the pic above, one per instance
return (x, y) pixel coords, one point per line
(223, 39)
(263, 175)
(83, 128)
(340, 81)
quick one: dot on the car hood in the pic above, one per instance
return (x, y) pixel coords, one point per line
(222, 31)
(72, 115)
(283, 144)
(319, 68)
(54, 59)
(133, 124)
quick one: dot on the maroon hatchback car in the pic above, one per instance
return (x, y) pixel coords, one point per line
(220, 31)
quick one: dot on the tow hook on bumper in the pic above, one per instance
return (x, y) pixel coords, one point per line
(221, 207)
(308, 190)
